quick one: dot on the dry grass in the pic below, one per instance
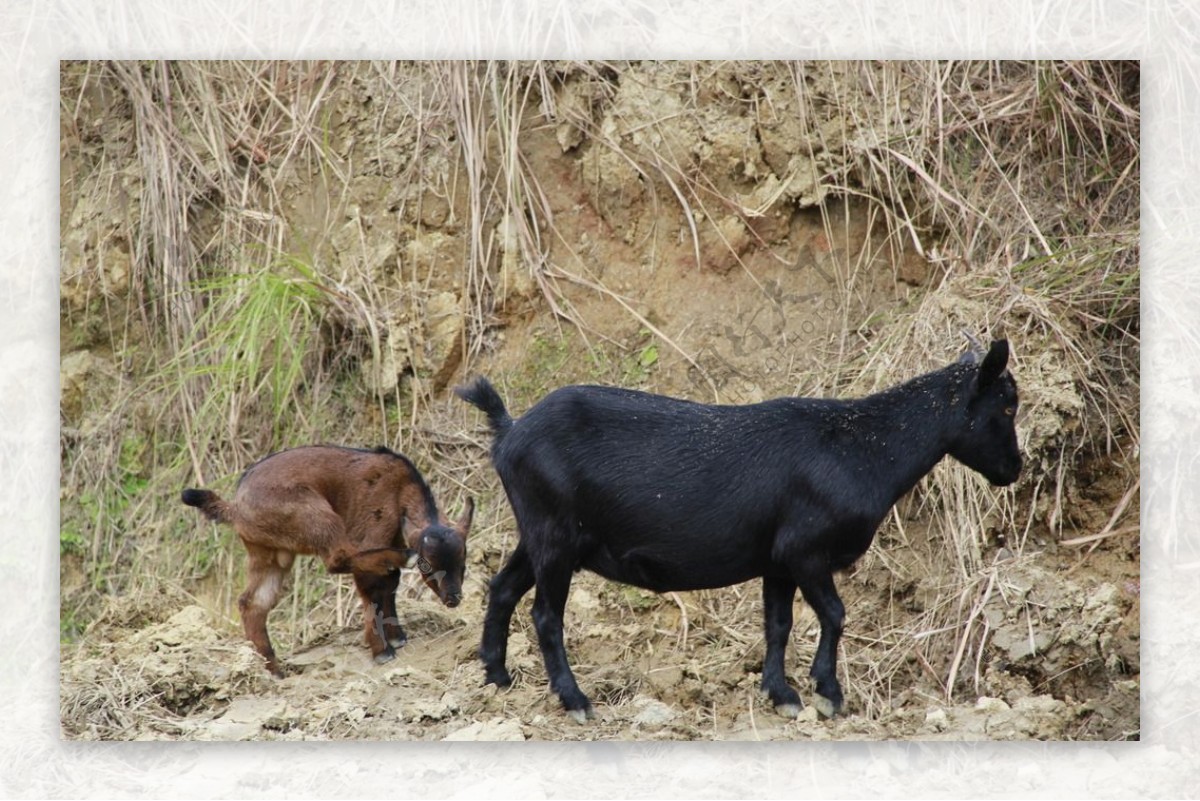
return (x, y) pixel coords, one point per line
(1021, 182)
(258, 296)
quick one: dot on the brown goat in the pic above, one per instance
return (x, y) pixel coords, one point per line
(368, 513)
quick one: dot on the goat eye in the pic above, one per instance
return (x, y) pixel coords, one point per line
(1010, 411)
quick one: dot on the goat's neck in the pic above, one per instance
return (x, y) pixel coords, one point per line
(909, 430)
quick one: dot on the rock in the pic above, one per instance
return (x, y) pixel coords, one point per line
(573, 101)
(430, 345)
(435, 211)
(444, 324)
(382, 373)
(937, 719)
(986, 704)
(721, 245)
(652, 712)
(430, 252)
(516, 282)
(583, 599)
(496, 729)
(663, 678)
(431, 709)
(809, 714)
(189, 626)
(614, 188)
(81, 373)
(245, 718)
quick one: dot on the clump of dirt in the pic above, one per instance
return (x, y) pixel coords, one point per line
(146, 684)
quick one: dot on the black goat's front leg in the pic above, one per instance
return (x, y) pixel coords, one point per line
(548, 607)
(507, 588)
(817, 587)
(778, 594)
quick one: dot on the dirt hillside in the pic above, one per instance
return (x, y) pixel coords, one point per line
(262, 255)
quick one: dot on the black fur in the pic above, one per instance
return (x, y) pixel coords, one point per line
(668, 494)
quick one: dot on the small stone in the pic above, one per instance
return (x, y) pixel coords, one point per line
(937, 719)
(653, 712)
(986, 704)
(496, 729)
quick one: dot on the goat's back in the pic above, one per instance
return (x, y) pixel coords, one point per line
(693, 493)
(367, 490)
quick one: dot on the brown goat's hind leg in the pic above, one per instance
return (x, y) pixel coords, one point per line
(265, 571)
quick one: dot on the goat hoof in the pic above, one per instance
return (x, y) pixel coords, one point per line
(790, 711)
(501, 679)
(383, 657)
(825, 707)
(581, 716)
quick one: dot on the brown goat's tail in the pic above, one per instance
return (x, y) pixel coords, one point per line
(209, 503)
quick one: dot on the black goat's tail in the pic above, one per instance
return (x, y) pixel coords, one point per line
(483, 395)
(209, 503)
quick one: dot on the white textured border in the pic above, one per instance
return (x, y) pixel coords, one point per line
(35, 34)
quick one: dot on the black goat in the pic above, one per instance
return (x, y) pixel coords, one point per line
(669, 495)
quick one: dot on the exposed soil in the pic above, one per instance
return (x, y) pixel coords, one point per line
(1054, 650)
(645, 679)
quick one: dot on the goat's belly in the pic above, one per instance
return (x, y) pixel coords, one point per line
(677, 572)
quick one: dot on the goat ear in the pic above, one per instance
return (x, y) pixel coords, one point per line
(994, 363)
(974, 349)
(464, 521)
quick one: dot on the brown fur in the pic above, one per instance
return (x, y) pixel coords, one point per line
(337, 503)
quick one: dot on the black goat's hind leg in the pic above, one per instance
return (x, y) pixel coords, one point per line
(548, 605)
(506, 589)
(778, 594)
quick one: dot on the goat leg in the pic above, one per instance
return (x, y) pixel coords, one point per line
(548, 606)
(265, 574)
(778, 594)
(507, 588)
(817, 587)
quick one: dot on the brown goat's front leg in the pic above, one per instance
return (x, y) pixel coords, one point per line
(376, 576)
(393, 632)
(382, 629)
(265, 571)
